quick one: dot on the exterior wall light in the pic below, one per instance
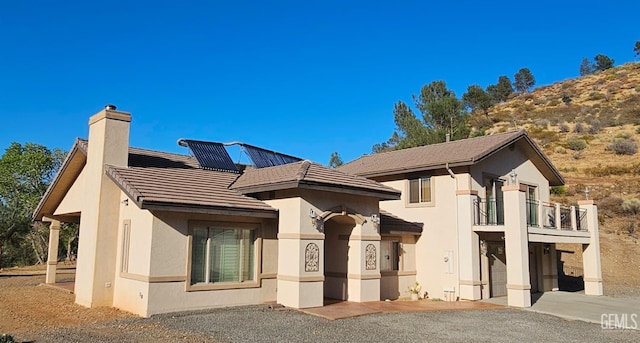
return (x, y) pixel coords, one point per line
(375, 219)
(513, 176)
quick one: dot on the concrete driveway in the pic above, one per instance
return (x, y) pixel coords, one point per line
(610, 313)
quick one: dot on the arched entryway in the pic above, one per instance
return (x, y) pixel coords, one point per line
(337, 232)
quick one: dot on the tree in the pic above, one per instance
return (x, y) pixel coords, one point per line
(603, 62)
(500, 92)
(443, 115)
(477, 99)
(636, 48)
(586, 67)
(25, 173)
(524, 80)
(442, 111)
(335, 160)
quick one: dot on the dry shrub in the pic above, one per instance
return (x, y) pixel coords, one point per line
(624, 147)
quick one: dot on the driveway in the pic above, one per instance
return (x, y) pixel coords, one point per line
(608, 312)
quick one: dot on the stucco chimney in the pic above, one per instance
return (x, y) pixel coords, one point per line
(99, 219)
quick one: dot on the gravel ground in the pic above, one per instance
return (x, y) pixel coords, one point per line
(261, 324)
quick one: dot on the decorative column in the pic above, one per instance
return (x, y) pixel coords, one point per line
(591, 252)
(363, 265)
(468, 248)
(516, 246)
(300, 254)
(52, 259)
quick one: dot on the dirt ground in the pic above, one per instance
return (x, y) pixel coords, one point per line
(26, 305)
(31, 311)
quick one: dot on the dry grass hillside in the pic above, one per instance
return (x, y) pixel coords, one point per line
(590, 129)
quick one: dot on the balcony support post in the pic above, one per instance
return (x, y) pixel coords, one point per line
(591, 252)
(517, 246)
(470, 285)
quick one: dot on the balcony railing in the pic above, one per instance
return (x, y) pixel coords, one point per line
(538, 214)
(532, 213)
(488, 212)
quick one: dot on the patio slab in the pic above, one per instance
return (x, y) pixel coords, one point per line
(346, 309)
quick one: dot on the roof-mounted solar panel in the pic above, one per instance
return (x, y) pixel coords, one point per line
(210, 155)
(262, 158)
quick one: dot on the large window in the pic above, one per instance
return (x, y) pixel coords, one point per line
(390, 255)
(420, 190)
(222, 255)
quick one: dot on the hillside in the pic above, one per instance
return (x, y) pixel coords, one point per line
(576, 122)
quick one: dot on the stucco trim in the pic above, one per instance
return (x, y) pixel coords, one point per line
(397, 273)
(269, 276)
(154, 279)
(591, 279)
(518, 187)
(292, 235)
(470, 283)
(109, 114)
(365, 237)
(467, 192)
(296, 278)
(519, 287)
(364, 276)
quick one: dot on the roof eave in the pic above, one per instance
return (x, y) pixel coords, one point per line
(38, 212)
(204, 209)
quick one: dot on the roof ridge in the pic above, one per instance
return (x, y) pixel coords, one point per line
(86, 141)
(435, 144)
(304, 168)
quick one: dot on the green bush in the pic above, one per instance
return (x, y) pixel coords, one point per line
(6, 339)
(576, 144)
(559, 190)
(560, 150)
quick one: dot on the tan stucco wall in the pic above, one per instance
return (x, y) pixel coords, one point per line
(73, 201)
(156, 281)
(439, 236)
(501, 164)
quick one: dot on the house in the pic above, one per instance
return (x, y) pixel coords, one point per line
(162, 232)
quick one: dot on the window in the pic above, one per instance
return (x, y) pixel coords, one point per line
(390, 255)
(222, 255)
(494, 201)
(126, 242)
(420, 190)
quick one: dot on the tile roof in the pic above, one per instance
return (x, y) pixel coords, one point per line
(309, 174)
(390, 224)
(455, 153)
(189, 187)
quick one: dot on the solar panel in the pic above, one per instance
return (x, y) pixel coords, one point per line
(262, 158)
(211, 155)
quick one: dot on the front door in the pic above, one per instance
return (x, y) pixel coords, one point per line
(498, 268)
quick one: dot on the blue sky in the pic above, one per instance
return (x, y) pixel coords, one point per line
(302, 77)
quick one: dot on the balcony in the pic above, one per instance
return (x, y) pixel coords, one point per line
(539, 215)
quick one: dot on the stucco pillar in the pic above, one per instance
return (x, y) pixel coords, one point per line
(516, 246)
(100, 222)
(591, 252)
(470, 285)
(300, 254)
(364, 267)
(52, 259)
